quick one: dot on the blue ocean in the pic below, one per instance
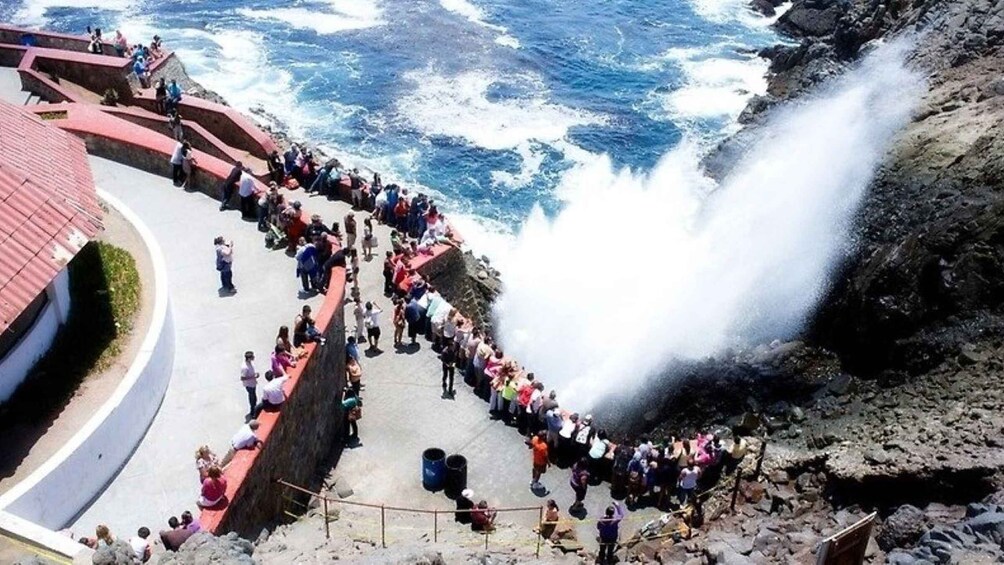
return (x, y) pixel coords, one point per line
(485, 104)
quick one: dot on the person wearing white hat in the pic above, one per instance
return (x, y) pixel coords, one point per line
(465, 504)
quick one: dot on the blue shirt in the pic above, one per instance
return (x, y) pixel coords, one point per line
(412, 312)
(609, 527)
(352, 351)
(174, 91)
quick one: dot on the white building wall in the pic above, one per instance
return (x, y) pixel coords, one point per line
(14, 367)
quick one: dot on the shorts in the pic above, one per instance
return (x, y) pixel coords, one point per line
(373, 332)
(539, 469)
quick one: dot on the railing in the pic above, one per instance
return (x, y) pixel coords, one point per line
(648, 529)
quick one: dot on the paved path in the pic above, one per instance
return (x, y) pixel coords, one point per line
(404, 414)
(205, 402)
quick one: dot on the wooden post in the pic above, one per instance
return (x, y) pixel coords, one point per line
(735, 490)
(383, 526)
(435, 526)
(540, 530)
(759, 461)
(327, 528)
(486, 540)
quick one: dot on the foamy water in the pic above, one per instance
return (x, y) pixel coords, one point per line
(459, 106)
(332, 16)
(602, 297)
(477, 16)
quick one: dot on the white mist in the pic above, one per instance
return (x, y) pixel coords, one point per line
(639, 271)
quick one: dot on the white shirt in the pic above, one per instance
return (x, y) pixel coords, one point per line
(248, 374)
(244, 438)
(246, 187)
(139, 546)
(688, 478)
(534, 404)
(178, 156)
(372, 319)
(272, 390)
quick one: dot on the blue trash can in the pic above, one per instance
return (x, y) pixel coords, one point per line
(433, 468)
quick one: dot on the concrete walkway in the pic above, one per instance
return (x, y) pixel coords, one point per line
(205, 402)
(404, 414)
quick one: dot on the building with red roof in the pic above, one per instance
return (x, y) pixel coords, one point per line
(48, 211)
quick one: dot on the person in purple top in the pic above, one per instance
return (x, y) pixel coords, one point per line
(609, 529)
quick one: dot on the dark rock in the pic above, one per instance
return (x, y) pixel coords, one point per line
(118, 553)
(990, 524)
(902, 528)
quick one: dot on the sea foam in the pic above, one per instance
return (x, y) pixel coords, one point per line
(639, 271)
(336, 16)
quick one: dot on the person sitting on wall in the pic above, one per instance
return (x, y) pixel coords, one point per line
(121, 44)
(229, 185)
(304, 330)
(214, 488)
(95, 46)
(189, 522)
(156, 50)
(173, 95)
(245, 438)
(272, 394)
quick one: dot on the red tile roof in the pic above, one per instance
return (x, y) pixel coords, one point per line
(48, 206)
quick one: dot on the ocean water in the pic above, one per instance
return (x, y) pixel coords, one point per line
(487, 105)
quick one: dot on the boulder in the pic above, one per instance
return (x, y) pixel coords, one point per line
(902, 528)
(118, 553)
(990, 524)
(204, 547)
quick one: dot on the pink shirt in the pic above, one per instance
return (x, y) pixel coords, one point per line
(214, 489)
(280, 361)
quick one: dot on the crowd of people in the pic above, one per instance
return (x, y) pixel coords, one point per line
(179, 529)
(666, 473)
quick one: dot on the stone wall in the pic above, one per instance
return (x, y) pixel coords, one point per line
(455, 276)
(149, 160)
(50, 40)
(10, 56)
(89, 74)
(297, 439)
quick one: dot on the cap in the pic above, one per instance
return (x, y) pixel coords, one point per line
(467, 493)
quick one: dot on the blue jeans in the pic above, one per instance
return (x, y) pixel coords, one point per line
(227, 279)
(252, 399)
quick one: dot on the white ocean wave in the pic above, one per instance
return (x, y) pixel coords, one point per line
(458, 106)
(532, 157)
(33, 12)
(477, 16)
(340, 16)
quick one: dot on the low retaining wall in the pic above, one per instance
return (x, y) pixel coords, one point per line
(65, 484)
(93, 72)
(298, 438)
(229, 125)
(52, 40)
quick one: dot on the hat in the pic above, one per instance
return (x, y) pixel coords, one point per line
(589, 418)
(296, 204)
(467, 493)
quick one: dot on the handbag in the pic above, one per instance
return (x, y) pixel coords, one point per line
(356, 414)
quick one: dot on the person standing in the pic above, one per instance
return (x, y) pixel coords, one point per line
(230, 185)
(372, 323)
(249, 378)
(609, 529)
(352, 407)
(399, 321)
(178, 162)
(354, 372)
(350, 230)
(359, 313)
(540, 460)
(579, 482)
(688, 482)
(246, 191)
(225, 263)
(449, 359)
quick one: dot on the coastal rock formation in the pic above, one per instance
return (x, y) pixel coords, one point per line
(207, 548)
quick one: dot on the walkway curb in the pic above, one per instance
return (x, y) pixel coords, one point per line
(62, 487)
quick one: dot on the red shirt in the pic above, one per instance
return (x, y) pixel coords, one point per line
(214, 489)
(539, 451)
